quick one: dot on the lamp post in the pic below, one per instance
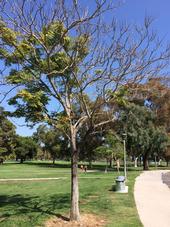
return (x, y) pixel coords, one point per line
(121, 180)
(107, 146)
(124, 152)
(155, 154)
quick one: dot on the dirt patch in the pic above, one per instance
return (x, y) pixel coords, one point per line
(87, 220)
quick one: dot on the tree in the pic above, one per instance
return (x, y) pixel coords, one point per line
(112, 148)
(58, 53)
(159, 101)
(25, 148)
(144, 137)
(155, 94)
(40, 136)
(7, 135)
(87, 146)
(52, 142)
(166, 154)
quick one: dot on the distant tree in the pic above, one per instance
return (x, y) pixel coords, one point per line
(167, 152)
(87, 145)
(144, 137)
(52, 143)
(112, 148)
(7, 135)
(25, 148)
(155, 94)
(39, 136)
(159, 101)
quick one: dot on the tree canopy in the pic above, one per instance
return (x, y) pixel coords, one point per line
(7, 135)
(26, 148)
(144, 137)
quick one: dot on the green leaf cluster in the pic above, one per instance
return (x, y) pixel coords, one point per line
(143, 136)
(111, 148)
(7, 35)
(25, 147)
(29, 104)
(7, 134)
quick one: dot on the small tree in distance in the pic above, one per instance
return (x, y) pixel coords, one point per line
(144, 137)
(25, 148)
(112, 148)
(7, 135)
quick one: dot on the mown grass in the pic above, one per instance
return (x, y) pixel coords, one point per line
(26, 204)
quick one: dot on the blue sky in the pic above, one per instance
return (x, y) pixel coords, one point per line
(133, 11)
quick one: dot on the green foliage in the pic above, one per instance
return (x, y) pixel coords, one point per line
(41, 58)
(7, 35)
(54, 33)
(52, 144)
(19, 77)
(32, 105)
(112, 147)
(119, 97)
(25, 148)
(143, 136)
(7, 135)
(50, 140)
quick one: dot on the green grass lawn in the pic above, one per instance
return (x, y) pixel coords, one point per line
(31, 203)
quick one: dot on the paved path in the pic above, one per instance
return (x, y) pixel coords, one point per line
(152, 198)
(48, 178)
(32, 179)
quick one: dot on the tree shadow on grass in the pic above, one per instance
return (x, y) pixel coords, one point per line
(49, 165)
(97, 167)
(33, 206)
(41, 164)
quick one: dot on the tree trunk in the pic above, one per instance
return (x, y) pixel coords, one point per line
(145, 162)
(74, 212)
(21, 160)
(90, 164)
(136, 162)
(106, 166)
(140, 161)
(111, 163)
(53, 161)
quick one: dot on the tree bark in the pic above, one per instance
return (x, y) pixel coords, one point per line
(140, 161)
(111, 163)
(74, 212)
(106, 166)
(90, 164)
(136, 162)
(145, 162)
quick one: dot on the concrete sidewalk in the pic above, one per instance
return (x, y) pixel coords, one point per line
(31, 179)
(152, 198)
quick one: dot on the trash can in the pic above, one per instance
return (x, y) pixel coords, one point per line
(120, 184)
